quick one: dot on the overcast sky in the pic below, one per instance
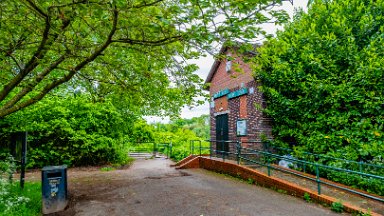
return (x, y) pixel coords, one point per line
(205, 64)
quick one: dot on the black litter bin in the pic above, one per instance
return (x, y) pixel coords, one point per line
(54, 188)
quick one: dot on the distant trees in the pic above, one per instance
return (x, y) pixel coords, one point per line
(323, 78)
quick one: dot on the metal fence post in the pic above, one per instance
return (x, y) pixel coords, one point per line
(190, 147)
(222, 150)
(200, 147)
(210, 149)
(318, 179)
(361, 166)
(268, 166)
(168, 151)
(238, 152)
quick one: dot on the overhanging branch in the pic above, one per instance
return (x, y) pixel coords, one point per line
(6, 111)
(148, 4)
(148, 42)
(34, 83)
(38, 55)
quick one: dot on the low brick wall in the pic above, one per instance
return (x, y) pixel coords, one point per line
(328, 181)
(190, 157)
(265, 180)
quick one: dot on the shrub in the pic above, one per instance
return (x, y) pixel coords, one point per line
(251, 181)
(14, 200)
(307, 197)
(72, 131)
(337, 207)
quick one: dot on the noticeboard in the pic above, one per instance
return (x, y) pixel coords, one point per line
(241, 127)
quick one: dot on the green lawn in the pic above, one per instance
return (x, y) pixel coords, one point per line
(18, 202)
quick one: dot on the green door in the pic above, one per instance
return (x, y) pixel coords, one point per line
(222, 133)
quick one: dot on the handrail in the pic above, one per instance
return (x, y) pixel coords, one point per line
(322, 156)
(309, 153)
(238, 150)
(320, 165)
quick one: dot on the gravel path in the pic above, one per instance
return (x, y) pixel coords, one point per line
(152, 187)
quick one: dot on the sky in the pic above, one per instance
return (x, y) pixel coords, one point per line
(205, 64)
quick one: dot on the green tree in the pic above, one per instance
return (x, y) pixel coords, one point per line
(135, 49)
(199, 125)
(71, 130)
(323, 78)
(180, 132)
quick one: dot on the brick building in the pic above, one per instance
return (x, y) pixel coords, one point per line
(235, 101)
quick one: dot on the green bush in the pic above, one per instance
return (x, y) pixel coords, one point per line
(180, 133)
(72, 131)
(337, 207)
(21, 202)
(322, 77)
(179, 153)
(307, 197)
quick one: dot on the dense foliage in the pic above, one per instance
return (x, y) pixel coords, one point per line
(323, 79)
(180, 132)
(135, 50)
(72, 131)
(76, 131)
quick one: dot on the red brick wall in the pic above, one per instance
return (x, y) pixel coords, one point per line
(221, 104)
(223, 79)
(242, 107)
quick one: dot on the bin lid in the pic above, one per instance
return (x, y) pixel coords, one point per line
(51, 168)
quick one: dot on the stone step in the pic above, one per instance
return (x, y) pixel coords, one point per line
(145, 155)
(140, 155)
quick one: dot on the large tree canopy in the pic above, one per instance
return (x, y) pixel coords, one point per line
(133, 51)
(323, 78)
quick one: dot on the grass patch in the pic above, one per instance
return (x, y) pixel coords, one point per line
(307, 197)
(360, 213)
(337, 207)
(251, 181)
(18, 202)
(106, 169)
(282, 191)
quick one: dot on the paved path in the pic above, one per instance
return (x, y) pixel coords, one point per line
(151, 187)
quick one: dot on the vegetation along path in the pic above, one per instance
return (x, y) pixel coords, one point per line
(152, 187)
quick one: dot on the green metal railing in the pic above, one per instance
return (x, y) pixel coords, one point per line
(199, 147)
(360, 165)
(267, 159)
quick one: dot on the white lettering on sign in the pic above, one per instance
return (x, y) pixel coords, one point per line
(54, 183)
